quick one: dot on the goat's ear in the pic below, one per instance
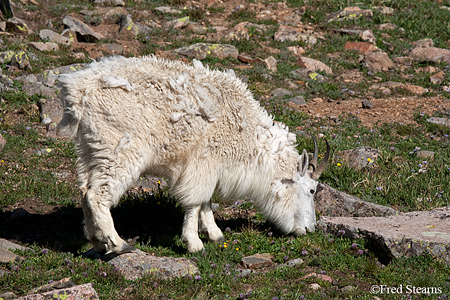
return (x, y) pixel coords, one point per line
(304, 163)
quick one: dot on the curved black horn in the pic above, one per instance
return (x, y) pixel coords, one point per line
(323, 164)
(313, 162)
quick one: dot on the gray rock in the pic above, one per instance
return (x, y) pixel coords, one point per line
(6, 56)
(2, 142)
(298, 100)
(50, 35)
(17, 25)
(440, 121)
(5, 244)
(56, 285)
(167, 10)
(333, 203)
(7, 256)
(360, 157)
(8, 295)
(110, 13)
(49, 77)
(412, 233)
(367, 104)
(280, 93)
(431, 54)
(19, 60)
(42, 151)
(40, 46)
(425, 154)
(291, 263)
(127, 28)
(179, 23)
(137, 263)
(257, 261)
(349, 13)
(348, 288)
(38, 89)
(293, 34)
(83, 291)
(271, 64)
(314, 65)
(378, 61)
(84, 32)
(52, 111)
(201, 50)
(423, 43)
(307, 75)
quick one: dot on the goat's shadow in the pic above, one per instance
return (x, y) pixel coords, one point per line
(156, 219)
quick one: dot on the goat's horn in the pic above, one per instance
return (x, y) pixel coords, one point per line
(323, 164)
(313, 162)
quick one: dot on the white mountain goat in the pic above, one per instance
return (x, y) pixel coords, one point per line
(199, 128)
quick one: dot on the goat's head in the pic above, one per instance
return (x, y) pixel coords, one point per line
(303, 188)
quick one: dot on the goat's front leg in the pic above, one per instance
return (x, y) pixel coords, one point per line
(189, 235)
(208, 225)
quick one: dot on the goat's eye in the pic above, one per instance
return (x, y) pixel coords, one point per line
(312, 191)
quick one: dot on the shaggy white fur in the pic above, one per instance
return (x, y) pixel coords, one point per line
(200, 128)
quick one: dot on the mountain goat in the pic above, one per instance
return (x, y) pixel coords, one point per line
(199, 128)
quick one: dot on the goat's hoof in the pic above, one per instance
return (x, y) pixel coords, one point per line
(218, 240)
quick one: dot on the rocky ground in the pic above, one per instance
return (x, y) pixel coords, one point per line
(376, 84)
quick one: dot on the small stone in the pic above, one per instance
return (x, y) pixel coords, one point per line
(423, 43)
(250, 60)
(84, 291)
(84, 32)
(438, 78)
(425, 154)
(315, 286)
(7, 256)
(298, 100)
(323, 277)
(55, 285)
(313, 65)
(280, 93)
(294, 34)
(17, 25)
(416, 89)
(361, 47)
(257, 261)
(296, 50)
(367, 104)
(8, 295)
(387, 26)
(136, 264)
(348, 288)
(291, 263)
(2, 142)
(440, 121)
(271, 64)
(40, 46)
(177, 23)
(50, 35)
(202, 50)
(167, 10)
(378, 61)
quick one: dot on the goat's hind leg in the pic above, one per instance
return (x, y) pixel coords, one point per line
(208, 225)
